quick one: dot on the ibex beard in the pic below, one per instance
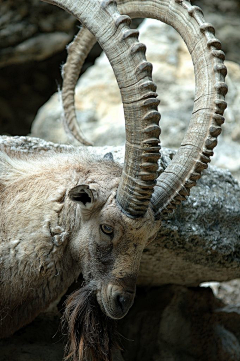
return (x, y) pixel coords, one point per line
(92, 335)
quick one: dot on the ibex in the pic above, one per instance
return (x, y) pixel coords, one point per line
(67, 213)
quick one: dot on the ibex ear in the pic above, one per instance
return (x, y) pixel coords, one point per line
(83, 195)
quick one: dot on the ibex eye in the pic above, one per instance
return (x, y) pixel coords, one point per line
(106, 229)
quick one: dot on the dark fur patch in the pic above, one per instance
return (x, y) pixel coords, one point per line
(92, 335)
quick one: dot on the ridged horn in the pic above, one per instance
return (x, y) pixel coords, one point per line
(77, 53)
(173, 185)
(133, 74)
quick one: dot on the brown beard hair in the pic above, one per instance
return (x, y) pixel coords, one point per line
(91, 334)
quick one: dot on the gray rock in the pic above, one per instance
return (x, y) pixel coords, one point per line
(201, 239)
(24, 31)
(37, 48)
(179, 324)
(225, 17)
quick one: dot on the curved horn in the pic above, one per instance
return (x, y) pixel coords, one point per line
(77, 52)
(133, 73)
(197, 146)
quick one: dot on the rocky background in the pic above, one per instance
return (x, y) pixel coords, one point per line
(168, 323)
(99, 109)
(33, 38)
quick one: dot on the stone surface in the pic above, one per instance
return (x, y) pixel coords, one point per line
(33, 37)
(38, 48)
(193, 242)
(32, 30)
(179, 324)
(225, 17)
(25, 86)
(100, 113)
(166, 323)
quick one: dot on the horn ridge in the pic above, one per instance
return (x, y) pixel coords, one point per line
(77, 52)
(213, 115)
(207, 117)
(131, 69)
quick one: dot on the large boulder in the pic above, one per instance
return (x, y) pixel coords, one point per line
(180, 324)
(33, 30)
(225, 17)
(33, 37)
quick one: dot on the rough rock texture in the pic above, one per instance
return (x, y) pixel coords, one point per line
(99, 109)
(199, 242)
(179, 324)
(225, 17)
(33, 37)
(32, 30)
(167, 323)
(30, 18)
(27, 82)
(201, 239)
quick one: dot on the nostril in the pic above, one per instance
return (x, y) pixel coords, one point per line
(121, 301)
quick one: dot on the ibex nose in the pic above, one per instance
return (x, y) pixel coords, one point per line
(122, 302)
(116, 298)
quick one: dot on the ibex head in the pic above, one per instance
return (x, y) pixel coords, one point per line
(108, 246)
(127, 216)
(113, 244)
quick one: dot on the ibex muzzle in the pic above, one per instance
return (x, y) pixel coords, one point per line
(116, 300)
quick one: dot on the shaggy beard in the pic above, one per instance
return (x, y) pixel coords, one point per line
(92, 335)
